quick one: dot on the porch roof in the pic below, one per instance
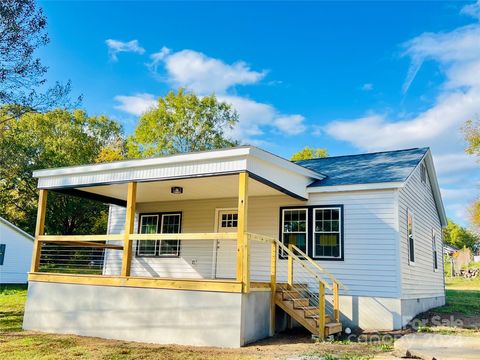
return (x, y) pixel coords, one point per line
(106, 180)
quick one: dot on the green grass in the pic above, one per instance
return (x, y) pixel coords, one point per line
(12, 300)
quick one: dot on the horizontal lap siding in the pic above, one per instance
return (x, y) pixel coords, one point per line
(370, 260)
(18, 254)
(420, 280)
(369, 267)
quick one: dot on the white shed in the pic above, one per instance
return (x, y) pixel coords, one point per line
(15, 253)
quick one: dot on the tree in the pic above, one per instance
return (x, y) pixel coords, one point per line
(471, 131)
(459, 236)
(22, 74)
(183, 122)
(54, 139)
(475, 213)
(309, 153)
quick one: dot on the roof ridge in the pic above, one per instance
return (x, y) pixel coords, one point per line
(363, 154)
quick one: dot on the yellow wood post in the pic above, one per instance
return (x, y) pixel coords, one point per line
(39, 229)
(129, 221)
(273, 286)
(321, 310)
(290, 266)
(243, 253)
(336, 305)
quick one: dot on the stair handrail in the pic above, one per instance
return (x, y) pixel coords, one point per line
(326, 272)
(268, 239)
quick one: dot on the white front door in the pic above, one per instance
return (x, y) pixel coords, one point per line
(225, 264)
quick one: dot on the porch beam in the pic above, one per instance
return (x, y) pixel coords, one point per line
(39, 229)
(129, 224)
(243, 266)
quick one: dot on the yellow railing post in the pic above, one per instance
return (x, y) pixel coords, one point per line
(321, 310)
(242, 239)
(273, 286)
(39, 229)
(336, 305)
(129, 223)
(290, 266)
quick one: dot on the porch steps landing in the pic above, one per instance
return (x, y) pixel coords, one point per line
(294, 303)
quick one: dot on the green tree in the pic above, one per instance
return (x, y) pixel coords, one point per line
(309, 153)
(183, 122)
(53, 139)
(459, 236)
(22, 74)
(471, 132)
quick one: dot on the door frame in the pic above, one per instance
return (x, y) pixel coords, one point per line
(216, 242)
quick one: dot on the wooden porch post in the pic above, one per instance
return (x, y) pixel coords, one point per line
(39, 229)
(336, 302)
(129, 221)
(273, 286)
(321, 310)
(243, 256)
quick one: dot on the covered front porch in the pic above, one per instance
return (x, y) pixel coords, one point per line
(199, 233)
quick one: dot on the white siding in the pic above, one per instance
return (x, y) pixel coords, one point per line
(18, 254)
(420, 280)
(370, 262)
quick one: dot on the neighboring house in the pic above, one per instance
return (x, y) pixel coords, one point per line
(449, 249)
(225, 247)
(15, 253)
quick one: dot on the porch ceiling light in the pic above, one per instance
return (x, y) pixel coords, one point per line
(176, 190)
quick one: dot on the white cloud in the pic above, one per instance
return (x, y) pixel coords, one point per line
(117, 46)
(472, 9)
(206, 75)
(367, 87)
(457, 54)
(136, 104)
(202, 74)
(256, 116)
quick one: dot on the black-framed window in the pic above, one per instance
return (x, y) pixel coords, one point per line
(3, 247)
(159, 223)
(229, 220)
(410, 237)
(434, 250)
(317, 230)
(295, 228)
(327, 232)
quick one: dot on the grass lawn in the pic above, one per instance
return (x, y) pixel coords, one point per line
(461, 313)
(16, 344)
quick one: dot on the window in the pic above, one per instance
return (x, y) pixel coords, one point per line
(165, 223)
(294, 228)
(423, 173)
(2, 253)
(170, 225)
(434, 250)
(410, 237)
(229, 220)
(327, 232)
(148, 225)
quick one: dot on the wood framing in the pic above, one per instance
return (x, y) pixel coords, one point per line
(273, 286)
(129, 227)
(143, 282)
(290, 266)
(185, 236)
(242, 239)
(321, 310)
(336, 302)
(79, 238)
(39, 229)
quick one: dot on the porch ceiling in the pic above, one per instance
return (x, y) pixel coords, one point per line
(195, 188)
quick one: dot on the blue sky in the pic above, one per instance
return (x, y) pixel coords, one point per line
(351, 77)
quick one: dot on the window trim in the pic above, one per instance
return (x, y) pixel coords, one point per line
(179, 231)
(310, 209)
(141, 217)
(340, 231)
(282, 222)
(3, 252)
(423, 173)
(434, 250)
(159, 227)
(411, 262)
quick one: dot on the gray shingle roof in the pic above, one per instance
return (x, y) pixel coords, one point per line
(387, 166)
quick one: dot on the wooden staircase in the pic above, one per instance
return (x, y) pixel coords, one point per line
(294, 302)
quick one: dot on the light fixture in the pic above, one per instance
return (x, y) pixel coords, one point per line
(176, 190)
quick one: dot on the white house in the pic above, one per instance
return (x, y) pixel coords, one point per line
(226, 247)
(15, 253)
